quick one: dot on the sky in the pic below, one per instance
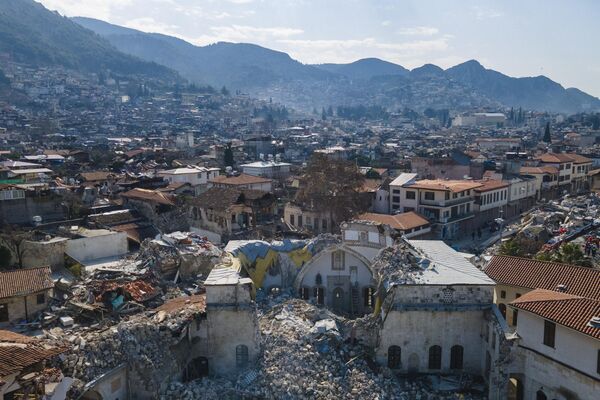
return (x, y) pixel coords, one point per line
(517, 37)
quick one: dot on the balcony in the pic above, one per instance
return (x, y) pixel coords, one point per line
(446, 203)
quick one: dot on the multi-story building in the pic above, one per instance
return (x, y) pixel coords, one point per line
(448, 204)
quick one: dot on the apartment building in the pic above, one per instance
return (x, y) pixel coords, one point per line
(448, 204)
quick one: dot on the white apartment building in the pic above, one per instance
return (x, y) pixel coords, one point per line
(191, 174)
(267, 169)
(446, 203)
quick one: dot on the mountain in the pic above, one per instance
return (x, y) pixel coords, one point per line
(266, 73)
(235, 65)
(365, 68)
(536, 93)
(33, 35)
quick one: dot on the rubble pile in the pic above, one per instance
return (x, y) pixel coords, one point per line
(143, 341)
(185, 253)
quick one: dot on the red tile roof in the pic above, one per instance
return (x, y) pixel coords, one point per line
(454, 186)
(571, 311)
(533, 274)
(19, 352)
(563, 158)
(241, 179)
(539, 170)
(491, 184)
(404, 221)
(149, 195)
(22, 282)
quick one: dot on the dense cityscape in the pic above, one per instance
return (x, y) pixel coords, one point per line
(362, 234)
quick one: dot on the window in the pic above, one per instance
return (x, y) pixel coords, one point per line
(304, 293)
(395, 199)
(369, 297)
(324, 224)
(292, 220)
(337, 260)
(540, 395)
(241, 356)
(435, 357)
(3, 312)
(394, 357)
(320, 295)
(364, 237)
(517, 295)
(396, 191)
(429, 196)
(494, 340)
(456, 357)
(411, 195)
(549, 333)
(41, 298)
(300, 220)
(515, 316)
(318, 280)
(502, 308)
(598, 363)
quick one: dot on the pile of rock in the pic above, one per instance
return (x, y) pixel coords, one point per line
(143, 342)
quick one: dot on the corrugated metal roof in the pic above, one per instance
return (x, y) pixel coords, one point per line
(447, 266)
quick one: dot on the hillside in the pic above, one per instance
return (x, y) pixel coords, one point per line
(235, 65)
(272, 74)
(33, 35)
(365, 68)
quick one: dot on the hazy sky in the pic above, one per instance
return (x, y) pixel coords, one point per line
(555, 38)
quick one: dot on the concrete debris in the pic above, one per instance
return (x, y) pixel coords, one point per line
(143, 342)
(310, 352)
(183, 252)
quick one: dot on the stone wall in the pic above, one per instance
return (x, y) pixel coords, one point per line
(16, 306)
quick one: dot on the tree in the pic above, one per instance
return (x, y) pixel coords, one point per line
(332, 187)
(571, 253)
(5, 257)
(228, 156)
(547, 135)
(510, 248)
(13, 238)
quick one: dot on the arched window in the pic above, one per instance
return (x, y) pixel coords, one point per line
(394, 357)
(502, 308)
(304, 293)
(435, 357)
(456, 357)
(318, 280)
(369, 297)
(540, 395)
(241, 356)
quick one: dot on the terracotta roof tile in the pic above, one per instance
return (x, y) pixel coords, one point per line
(571, 311)
(25, 281)
(446, 185)
(491, 184)
(241, 179)
(404, 221)
(150, 195)
(18, 352)
(533, 274)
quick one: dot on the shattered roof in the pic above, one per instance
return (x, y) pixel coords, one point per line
(22, 282)
(197, 301)
(17, 352)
